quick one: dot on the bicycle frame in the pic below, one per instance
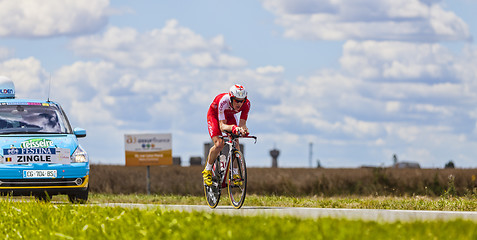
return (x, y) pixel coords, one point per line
(232, 142)
(222, 177)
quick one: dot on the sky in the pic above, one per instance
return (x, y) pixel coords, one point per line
(354, 81)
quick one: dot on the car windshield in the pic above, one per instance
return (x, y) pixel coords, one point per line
(24, 119)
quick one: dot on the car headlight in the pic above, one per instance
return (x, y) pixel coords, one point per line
(80, 155)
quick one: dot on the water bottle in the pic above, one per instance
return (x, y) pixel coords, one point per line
(222, 162)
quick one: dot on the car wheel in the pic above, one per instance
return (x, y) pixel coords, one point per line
(79, 197)
(43, 197)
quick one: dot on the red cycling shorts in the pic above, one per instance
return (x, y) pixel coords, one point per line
(213, 124)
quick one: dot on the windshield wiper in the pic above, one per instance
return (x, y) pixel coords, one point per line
(21, 130)
(50, 133)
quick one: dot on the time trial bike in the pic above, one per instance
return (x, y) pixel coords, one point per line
(224, 169)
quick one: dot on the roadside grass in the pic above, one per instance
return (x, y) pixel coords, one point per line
(26, 219)
(442, 203)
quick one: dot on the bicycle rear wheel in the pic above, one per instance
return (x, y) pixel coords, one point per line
(237, 187)
(212, 193)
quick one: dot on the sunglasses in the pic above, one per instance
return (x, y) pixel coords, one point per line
(239, 101)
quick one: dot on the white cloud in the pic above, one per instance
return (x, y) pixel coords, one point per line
(396, 60)
(31, 18)
(417, 95)
(172, 46)
(429, 108)
(270, 69)
(388, 96)
(301, 6)
(359, 128)
(5, 53)
(393, 106)
(29, 77)
(408, 20)
(464, 68)
(82, 81)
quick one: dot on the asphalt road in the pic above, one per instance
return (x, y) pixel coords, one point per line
(355, 214)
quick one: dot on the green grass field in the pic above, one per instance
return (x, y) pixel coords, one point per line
(28, 219)
(371, 202)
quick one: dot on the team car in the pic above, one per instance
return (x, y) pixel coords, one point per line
(40, 154)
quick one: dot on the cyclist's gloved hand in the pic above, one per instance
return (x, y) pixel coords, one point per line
(235, 130)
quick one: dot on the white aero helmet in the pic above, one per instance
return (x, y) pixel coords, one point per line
(7, 88)
(237, 91)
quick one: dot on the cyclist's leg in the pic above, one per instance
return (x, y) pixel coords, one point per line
(236, 175)
(215, 149)
(214, 132)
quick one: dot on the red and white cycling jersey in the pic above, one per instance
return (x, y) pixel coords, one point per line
(221, 109)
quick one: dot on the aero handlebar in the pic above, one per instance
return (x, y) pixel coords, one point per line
(235, 136)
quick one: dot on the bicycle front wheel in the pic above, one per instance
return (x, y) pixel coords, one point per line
(237, 179)
(212, 193)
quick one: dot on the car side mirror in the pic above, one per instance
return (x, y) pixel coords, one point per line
(79, 132)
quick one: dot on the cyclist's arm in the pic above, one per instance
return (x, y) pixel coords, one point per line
(243, 125)
(224, 127)
(244, 116)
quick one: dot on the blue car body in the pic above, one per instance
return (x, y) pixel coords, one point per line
(38, 157)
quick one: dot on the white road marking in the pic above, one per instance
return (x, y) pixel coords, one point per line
(379, 215)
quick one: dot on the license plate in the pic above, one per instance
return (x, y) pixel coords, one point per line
(39, 173)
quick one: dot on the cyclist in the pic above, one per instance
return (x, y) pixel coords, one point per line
(222, 117)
